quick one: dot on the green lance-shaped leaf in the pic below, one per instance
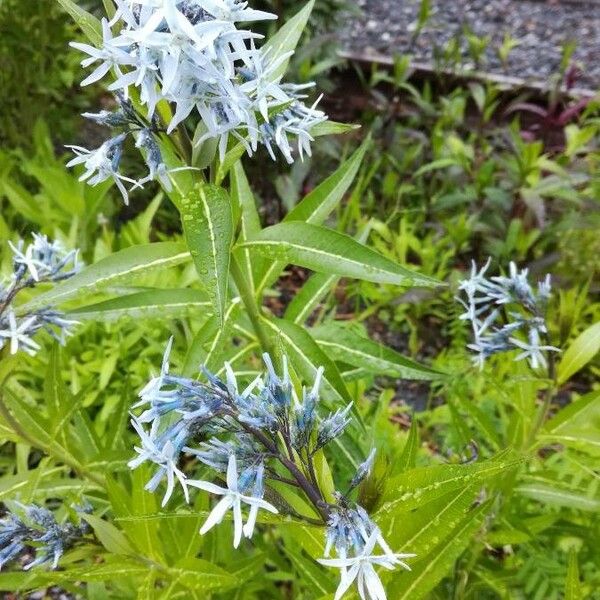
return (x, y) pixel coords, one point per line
(192, 574)
(208, 228)
(579, 353)
(211, 342)
(89, 24)
(112, 538)
(58, 399)
(573, 414)
(429, 523)
(558, 493)
(408, 459)
(430, 569)
(425, 484)
(120, 267)
(317, 206)
(332, 128)
(286, 39)
(309, 572)
(315, 289)
(308, 297)
(249, 222)
(163, 303)
(345, 344)
(328, 251)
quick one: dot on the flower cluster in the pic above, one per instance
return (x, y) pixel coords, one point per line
(36, 526)
(41, 261)
(191, 54)
(249, 436)
(506, 313)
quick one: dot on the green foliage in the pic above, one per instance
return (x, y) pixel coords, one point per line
(37, 69)
(489, 476)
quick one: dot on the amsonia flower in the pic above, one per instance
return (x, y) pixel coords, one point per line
(32, 525)
(361, 568)
(232, 500)
(164, 453)
(191, 54)
(489, 307)
(19, 333)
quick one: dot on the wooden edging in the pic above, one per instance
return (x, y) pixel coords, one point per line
(427, 69)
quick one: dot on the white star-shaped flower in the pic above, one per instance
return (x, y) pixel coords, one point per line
(361, 568)
(18, 334)
(533, 351)
(164, 456)
(232, 499)
(27, 259)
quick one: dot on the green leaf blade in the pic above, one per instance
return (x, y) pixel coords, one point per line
(117, 268)
(208, 227)
(163, 303)
(347, 345)
(328, 251)
(579, 353)
(286, 39)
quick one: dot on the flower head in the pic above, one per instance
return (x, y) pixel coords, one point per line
(37, 526)
(361, 568)
(191, 54)
(496, 328)
(232, 499)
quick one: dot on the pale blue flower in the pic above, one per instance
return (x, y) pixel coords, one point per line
(163, 452)
(361, 568)
(333, 426)
(36, 526)
(232, 500)
(19, 333)
(494, 325)
(191, 54)
(102, 164)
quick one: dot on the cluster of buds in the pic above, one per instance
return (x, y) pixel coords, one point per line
(34, 526)
(252, 435)
(191, 54)
(506, 314)
(41, 261)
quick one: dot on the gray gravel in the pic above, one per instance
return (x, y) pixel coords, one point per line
(542, 27)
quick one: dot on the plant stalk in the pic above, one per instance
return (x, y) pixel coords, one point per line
(252, 307)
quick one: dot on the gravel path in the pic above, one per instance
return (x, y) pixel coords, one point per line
(541, 27)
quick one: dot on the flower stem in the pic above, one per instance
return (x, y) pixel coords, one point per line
(311, 491)
(549, 392)
(254, 312)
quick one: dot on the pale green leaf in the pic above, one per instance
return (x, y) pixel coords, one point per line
(316, 206)
(328, 251)
(88, 24)
(408, 458)
(286, 39)
(424, 484)
(120, 267)
(332, 128)
(208, 228)
(345, 344)
(579, 353)
(156, 303)
(109, 536)
(558, 493)
(430, 569)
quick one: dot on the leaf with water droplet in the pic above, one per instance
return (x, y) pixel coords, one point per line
(208, 228)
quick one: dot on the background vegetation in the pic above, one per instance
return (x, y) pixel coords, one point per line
(494, 503)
